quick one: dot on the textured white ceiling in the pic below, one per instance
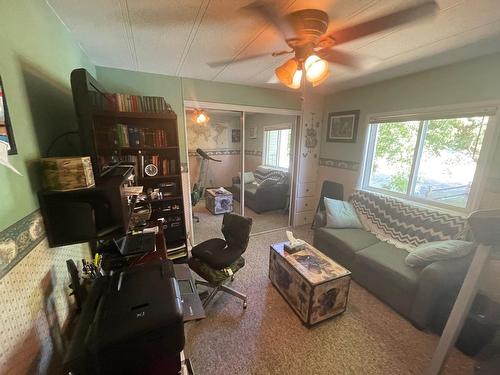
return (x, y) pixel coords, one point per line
(179, 37)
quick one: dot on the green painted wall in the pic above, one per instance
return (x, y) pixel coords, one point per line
(227, 93)
(175, 90)
(466, 82)
(37, 55)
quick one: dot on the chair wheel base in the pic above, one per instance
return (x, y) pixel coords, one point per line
(244, 304)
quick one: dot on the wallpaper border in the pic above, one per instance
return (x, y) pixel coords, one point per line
(217, 152)
(253, 152)
(19, 239)
(342, 164)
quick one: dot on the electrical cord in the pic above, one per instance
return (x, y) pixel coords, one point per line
(52, 144)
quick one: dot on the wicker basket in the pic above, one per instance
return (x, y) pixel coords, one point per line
(67, 173)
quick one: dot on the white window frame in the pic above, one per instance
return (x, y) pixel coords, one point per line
(264, 146)
(423, 115)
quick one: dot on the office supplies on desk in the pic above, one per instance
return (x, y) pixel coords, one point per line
(133, 190)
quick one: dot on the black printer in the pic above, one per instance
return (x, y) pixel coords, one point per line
(131, 323)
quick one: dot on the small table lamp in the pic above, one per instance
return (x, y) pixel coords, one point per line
(485, 227)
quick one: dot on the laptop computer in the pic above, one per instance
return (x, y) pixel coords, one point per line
(136, 244)
(191, 304)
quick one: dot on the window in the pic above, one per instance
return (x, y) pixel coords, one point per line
(277, 143)
(431, 160)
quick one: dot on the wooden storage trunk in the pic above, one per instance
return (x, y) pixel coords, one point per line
(313, 284)
(218, 203)
(67, 173)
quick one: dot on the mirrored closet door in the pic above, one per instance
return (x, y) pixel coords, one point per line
(242, 162)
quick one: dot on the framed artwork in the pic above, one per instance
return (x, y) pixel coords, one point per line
(6, 133)
(252, 133)
(235, 135)
(342, 126)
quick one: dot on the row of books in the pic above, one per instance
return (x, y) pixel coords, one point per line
(165, 167)
(136, 103)
(104, 102)
(130, 136)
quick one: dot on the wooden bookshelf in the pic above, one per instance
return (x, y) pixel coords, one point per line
(110, 137)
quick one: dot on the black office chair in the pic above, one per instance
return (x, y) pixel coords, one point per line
(217, 260)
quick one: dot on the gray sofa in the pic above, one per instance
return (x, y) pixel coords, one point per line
(379, 266)
(261, 198)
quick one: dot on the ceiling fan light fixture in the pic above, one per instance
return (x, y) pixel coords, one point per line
(316, 69)
(321, 80)
(288, 73)
(297, 79)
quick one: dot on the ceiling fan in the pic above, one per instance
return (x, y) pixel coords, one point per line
(305, 32)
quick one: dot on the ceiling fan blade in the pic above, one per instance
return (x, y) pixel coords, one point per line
(216, 64)
(386, 22)
(271, 14)
(339, 57)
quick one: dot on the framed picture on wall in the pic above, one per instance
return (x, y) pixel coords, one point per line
(342, 126)
(6, 133)
(252, 133)
(235, 135)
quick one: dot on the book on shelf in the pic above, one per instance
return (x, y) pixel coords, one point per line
(101, 101)
(135, 137)
(137, 103)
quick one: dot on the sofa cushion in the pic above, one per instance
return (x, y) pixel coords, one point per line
(342, 244)
(388, 264)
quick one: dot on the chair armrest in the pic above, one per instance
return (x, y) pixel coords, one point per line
(236, 180)
(436, 280)
(319, 220)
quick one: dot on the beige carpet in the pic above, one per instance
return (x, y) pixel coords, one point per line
(268, 338)
(209, 225)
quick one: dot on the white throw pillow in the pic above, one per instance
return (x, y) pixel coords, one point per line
(438, 250)
(248, 177)
(341, 214)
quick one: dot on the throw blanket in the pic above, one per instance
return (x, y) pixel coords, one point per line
(404, 225)
(267, 173)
